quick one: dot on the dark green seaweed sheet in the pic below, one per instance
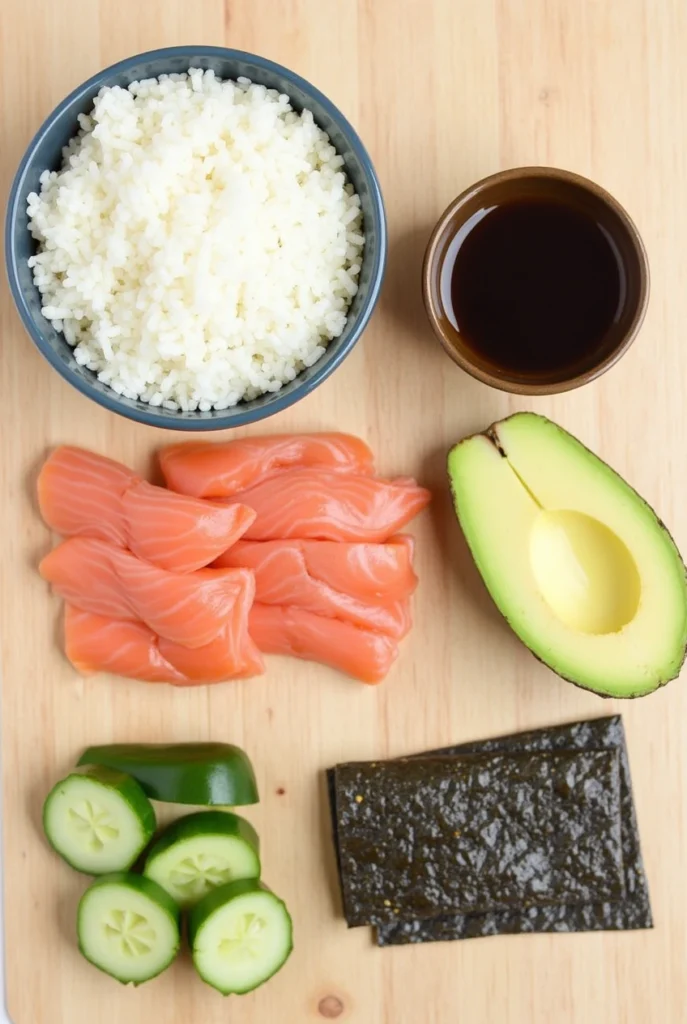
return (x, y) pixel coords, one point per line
(478, 833)
(632, 912)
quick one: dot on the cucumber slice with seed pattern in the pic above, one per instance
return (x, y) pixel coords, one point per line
(240, 936)
(98, 820)
(128, 927)
(201, 852)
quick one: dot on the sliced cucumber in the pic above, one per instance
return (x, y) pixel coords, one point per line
(201, 852)
(128, 927)
(208, 774)
(240, 935)
(98, 820)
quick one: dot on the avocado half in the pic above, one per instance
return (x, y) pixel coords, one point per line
(576, 561)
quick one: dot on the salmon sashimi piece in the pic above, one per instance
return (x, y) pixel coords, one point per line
(360, 653)
(233, 654)
(94, 643)
(80, 492)
(177, 532)
(370, 572)
(211, 470)
(374, 573)
(189, 609)
(86, 495)
(282, 576)
(316, 504)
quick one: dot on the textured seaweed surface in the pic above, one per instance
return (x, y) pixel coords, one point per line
(633, 911)
(478, 832)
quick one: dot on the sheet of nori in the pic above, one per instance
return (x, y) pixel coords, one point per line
(477, 833)
(634, 911)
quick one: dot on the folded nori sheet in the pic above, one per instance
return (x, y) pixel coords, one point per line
(477, 833)
(633, 911)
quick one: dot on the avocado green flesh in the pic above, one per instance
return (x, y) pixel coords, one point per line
(577, 562)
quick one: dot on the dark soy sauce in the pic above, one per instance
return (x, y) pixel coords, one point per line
(536, 285)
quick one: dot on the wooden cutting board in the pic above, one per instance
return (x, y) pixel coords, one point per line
(442, 92)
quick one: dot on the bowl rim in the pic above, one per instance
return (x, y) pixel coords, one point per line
(503, 381)
(167, 419)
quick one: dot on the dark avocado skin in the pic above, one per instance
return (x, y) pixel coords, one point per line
(478, 832)
(631, 912)
(491, 433)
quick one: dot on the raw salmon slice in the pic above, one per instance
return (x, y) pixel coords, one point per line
(319, 505)
(80, 492)
(177, 532)
(87, 495)
(369, 572)
(283, 576)
(375, 573)
(233, 654)
(210, 470)
(94, 643)
(360, 653)
(190, 609)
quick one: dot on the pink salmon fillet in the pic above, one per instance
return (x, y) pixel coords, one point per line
(360, 653)
(315, 504)
(210, 470)
(376, 573)
(190, 609)
(86, 495)
(284, 576)
(95, 643)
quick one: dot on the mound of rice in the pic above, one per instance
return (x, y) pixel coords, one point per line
(200, 245)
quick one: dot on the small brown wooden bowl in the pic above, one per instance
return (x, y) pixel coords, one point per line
(546, 183)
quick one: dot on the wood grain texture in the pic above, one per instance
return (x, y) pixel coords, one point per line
(442, 92)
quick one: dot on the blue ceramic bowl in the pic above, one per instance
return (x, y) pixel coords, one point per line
(45, 151)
